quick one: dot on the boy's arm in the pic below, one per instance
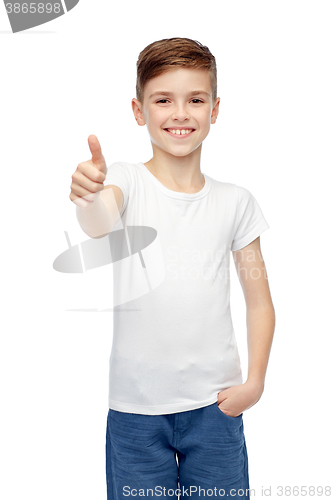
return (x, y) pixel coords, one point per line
(101, 215)
(98, 207)
(260, 313)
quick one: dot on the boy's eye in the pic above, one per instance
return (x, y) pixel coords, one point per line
(161, 100)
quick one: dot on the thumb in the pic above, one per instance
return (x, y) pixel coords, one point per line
(96, 151)
(222, 396)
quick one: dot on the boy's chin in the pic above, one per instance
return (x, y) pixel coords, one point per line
(177, 154)
(176, 151)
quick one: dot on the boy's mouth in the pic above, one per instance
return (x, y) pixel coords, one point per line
(179, 133)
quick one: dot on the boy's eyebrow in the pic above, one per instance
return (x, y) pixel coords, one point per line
(165, 92)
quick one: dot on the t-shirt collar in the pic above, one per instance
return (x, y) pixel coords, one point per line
(175, 194)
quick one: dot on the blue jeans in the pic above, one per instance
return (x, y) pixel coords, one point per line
(192, 454)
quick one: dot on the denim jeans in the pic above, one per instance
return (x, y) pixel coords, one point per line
(192, 454)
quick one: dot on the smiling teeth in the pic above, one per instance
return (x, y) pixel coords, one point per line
(178, 132)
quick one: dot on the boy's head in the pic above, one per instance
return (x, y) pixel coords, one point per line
(176, 95)
(172, 53)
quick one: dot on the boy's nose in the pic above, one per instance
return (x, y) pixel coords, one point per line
(180, 114)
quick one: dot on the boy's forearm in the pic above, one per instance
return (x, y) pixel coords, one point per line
(96, 220)
(260, 330)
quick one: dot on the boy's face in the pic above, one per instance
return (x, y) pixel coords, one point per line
(176, 103)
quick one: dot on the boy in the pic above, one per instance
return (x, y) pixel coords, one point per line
(176, 395)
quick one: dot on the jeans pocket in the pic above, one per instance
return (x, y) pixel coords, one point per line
(228, 416)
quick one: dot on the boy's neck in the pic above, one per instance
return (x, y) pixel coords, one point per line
(181, 174)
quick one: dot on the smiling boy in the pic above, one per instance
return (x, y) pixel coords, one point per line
(176, 393)
(176, 156)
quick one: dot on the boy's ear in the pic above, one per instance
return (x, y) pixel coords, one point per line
(215, 110)
(137, 110)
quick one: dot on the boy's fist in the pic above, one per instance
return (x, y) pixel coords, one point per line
(89, 176)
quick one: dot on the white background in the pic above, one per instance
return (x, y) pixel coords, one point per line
(75, 76)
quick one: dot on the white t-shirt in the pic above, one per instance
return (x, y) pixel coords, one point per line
(174, 347)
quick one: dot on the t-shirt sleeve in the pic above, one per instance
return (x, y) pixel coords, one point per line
(250, 220)
(118, 175)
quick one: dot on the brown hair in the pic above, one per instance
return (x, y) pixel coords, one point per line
(162, 55)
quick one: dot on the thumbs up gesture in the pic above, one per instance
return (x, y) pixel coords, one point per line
(89, 176)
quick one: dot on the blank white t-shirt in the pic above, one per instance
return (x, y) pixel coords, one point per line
(174, 347)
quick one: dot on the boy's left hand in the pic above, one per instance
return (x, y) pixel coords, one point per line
(235, 400)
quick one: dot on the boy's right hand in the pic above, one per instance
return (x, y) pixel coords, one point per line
(89, 176)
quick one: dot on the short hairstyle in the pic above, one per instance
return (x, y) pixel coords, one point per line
(163, 55)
